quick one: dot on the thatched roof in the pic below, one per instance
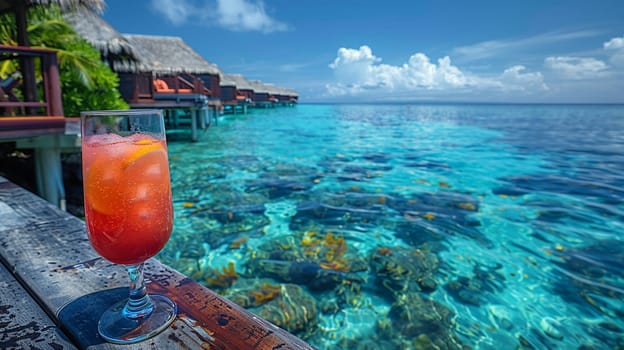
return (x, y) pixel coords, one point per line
(288, 92)
(102, 35)
(65, 5)
(163, 55)
(260, 87)
(236, 80)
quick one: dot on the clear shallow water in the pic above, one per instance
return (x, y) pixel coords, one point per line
(403, 226)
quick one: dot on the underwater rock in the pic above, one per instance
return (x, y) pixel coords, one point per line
(255, 295)
(607, 335)
(294, 310)
(554, 183)
(377, 157)
(223, 278)
(310, 274)
(277, 187)
(283, 248)
(229, 214)
(427, 322)
(328, 306)
(455, 203)
(329, 251)
(434, 216)
(345, 169)
(357, 199)
(327, 214)
(368, 344)
(429, 165)
(473, 290)
(591, 276)
(400, 269)
(602, 259)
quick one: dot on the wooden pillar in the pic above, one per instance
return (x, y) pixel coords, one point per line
(194, 124)
(201, 117)
(206, 116)
(27, 63)
(52, 84)
(49, 172)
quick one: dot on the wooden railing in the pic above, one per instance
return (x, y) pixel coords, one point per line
(55, 287)
(48, 102)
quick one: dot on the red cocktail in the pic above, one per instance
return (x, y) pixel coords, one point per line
(128, 211)
(127, 196)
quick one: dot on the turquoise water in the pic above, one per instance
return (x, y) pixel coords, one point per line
(412, 226)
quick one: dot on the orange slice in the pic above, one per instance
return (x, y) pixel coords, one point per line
(141, 148)
(102, 185)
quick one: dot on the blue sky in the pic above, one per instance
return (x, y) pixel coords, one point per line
(351, 51)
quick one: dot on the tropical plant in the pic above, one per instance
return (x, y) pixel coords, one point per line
(87, 83)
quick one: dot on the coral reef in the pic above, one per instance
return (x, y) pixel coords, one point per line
(475, 289)
(224, 278)
(401, 269)
(256, 295)
(294, 310)
(426, 322)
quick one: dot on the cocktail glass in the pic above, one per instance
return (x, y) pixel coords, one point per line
(128, 211)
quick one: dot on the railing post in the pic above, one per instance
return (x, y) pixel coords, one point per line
(27, 63)
(52, 86)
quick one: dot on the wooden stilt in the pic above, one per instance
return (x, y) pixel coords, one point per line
(49, 173)
(193, 125)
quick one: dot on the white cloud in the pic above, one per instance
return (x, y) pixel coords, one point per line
(358, 71)
(516, 79)
(577, 68)
(504, 47)
(290, 67)
(234, 15)
(177, 12)
(615, 47)
(242, 15)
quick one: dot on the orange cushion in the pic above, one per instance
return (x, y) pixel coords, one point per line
(165, 91)
(160, 84)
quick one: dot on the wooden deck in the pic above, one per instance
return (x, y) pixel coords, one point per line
(54, 288)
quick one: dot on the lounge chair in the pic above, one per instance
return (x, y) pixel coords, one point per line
(162, 87)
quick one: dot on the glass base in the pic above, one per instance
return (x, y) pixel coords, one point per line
(116, 328)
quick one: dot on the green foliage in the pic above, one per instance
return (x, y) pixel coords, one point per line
(87, 83)
(93, 91)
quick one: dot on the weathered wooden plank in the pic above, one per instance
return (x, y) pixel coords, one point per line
(48, 250)
(23, 324)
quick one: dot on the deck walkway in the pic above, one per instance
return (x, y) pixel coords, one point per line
(55, 286)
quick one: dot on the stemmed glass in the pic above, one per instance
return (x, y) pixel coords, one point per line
(128, 211)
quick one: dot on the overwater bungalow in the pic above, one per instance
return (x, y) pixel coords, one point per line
(236, 93)
(263, 94)
(268, 95)
(175, 70)
(243, 86)
(288, 97)
(284, 96)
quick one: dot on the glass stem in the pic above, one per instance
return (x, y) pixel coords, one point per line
(139, 304)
